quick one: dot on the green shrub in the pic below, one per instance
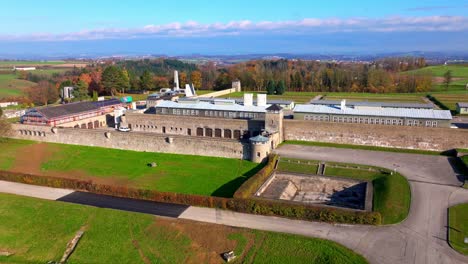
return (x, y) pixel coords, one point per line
(249, 187)
(243, 205)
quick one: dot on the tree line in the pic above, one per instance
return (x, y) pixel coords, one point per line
(273, 76)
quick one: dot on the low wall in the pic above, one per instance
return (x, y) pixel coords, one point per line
(424, 138)
(138, 141)
(219, 93)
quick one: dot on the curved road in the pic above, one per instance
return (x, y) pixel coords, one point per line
(422, 237)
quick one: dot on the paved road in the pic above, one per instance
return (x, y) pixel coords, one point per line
(421, 238)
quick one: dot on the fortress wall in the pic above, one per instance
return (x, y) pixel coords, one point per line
(138, 141)
(425, 138)
(175, 124)
(219, 93)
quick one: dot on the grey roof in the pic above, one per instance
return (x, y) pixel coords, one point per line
(241, 100)
(373, 104)
(381, 112)
(259, 138)
(210, 106)
(74, 108)
(462, 104)
(274, 107)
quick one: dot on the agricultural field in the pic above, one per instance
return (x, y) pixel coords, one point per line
(450, 100)
(390, 97)
(458, 227)
(392, 194)
(174, 173)
(11, 86)
(33, 231)
(459, 77)
(55, 63)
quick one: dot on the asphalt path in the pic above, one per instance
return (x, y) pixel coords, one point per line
(421, 238)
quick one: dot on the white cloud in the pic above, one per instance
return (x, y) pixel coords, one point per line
(247, 27)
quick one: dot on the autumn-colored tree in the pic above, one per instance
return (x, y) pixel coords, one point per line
(161, 82)
(85, 77)
(43, 93)
(196, 79)
(182, 79)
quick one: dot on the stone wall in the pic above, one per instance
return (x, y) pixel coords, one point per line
(424, 138)
(138, 141)
(219, 93)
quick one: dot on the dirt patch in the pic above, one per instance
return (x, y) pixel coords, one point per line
(29, 159)
(208, 240)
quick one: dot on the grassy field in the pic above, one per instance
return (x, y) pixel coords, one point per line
(392, 195)
(459, 74)
(298, 97)
(451, 99)
(458, 227)
(351, 146)
(174, 173)
(11, 86)
(403, 98)
(37, 231)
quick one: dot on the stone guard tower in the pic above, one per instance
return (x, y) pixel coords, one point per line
(274, 124)
(260, 148)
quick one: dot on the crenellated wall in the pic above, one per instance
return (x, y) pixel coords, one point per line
(425, 138)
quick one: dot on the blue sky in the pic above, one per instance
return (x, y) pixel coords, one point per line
(212, 26)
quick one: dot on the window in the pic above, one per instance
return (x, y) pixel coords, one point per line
(258, 154)
(434, 123)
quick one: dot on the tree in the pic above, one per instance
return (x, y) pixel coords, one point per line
(80, 91)
(196, 78)
(182, 79)
(146, 80)
(43, 93)
(447, 78)
(114, 79)
(222, 82)
(280, 87)
(95, 96)
(271, 87)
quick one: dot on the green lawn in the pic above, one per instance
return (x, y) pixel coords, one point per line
(458, 227)
(392, 195)
(174, 173)
(351, 146)
(37, 231)
(450, 100)
(290, 165)
(440, 70)
(11, 86)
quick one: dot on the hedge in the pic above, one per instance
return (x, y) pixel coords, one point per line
(250, 186)
(243, 205)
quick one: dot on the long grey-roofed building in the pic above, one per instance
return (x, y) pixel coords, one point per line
(285, 104)
(373, 115)
(218, 108)
(362, 104)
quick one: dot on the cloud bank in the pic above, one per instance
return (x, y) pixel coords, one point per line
(247, 27)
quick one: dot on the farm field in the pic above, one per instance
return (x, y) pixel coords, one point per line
(458, 227)
(450, 100)
(174, 173)
(11, 63)
(392, 194)
(459, 76)
(11, 86)
(34, 231)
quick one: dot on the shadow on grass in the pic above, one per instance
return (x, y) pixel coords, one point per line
(228, 189)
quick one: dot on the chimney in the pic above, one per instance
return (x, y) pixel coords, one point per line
(248, 99)
(261, 99)
(176, 80)
(343, 104)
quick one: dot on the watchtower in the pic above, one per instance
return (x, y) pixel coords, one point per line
(274, 122)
